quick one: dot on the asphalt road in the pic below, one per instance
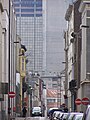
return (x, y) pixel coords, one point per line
(32, 118)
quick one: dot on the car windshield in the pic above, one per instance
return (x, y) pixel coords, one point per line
(36, 109)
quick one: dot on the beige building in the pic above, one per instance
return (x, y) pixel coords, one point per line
(22, 60)
(79, 24)
(7, 57)
(72, 52)
(69, 47)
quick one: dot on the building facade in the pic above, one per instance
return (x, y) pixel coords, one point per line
(8, 58)
(69, 47)
(55, 25)
(53, 47)
(73, 50)
(79, 83)
(30, 29)
(85, 56)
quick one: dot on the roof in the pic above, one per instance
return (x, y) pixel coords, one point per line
(51, 93)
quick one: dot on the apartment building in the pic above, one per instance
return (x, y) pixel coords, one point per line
(72, 51)
(7, 53)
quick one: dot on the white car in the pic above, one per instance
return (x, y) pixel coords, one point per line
(87, 114)
(72, 114)
(78, 116)
(36, 111)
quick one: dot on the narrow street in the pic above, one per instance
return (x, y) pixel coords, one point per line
(32, 118)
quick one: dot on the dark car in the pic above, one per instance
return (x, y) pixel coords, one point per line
(50, 114)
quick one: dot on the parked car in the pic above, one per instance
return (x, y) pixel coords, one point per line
(59, 117)
(55, 115)
(36, 111)
(65, 116)
(50, 114)
(79, 116)
(87, 114)
(72, 114)
(50, 109)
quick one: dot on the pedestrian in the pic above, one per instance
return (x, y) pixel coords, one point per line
(65, 109)
(24, 111)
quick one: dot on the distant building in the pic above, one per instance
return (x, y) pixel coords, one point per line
(55, 26)
(73, 54)
(30, 29)
(51, 98)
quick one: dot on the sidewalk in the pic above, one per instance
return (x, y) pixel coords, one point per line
(19, 118)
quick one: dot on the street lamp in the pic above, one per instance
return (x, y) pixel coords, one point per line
(61, 76)
(30, 98)
(9, 110)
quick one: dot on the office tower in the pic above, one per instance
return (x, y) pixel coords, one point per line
(29, 28)
(55, 26)
(40, 24)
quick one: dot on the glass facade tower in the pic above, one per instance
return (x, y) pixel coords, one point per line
(29, 28)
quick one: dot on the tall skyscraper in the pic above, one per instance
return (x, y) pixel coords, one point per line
(30, 29)
(55, 26)
(40, 24)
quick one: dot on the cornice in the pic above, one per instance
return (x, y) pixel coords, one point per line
(68, 12)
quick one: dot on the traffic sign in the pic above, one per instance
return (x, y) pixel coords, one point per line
(11, 94)
(78, 101)
(85, 101)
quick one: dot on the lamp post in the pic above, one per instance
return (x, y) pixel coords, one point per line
(60, 77)
(9, 109)
(30, 99)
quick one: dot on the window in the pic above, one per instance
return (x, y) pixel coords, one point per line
(51, 100)
(27, 10)
(54, 85)
(39, 9)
